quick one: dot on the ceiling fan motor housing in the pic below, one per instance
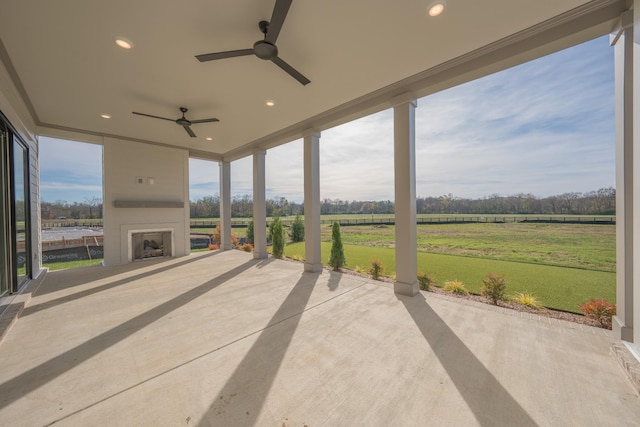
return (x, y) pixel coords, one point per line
(265, 50)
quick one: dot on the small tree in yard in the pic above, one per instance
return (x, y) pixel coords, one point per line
(250, 232)
(270, 227)
(494, 287)
(375, 268)
(297, 230)
(337, 259)
(277, 238)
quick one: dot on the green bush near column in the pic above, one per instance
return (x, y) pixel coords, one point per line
(250, 232)
(277, 238)
(297, 230)
(337, 259)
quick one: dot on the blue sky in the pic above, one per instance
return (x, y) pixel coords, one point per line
(545, 127)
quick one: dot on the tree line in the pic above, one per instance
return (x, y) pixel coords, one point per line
(598, 202)
(91, 208)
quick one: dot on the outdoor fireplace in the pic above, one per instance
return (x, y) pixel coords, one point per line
(151, 244)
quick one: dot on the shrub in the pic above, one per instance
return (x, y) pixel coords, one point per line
(213, 247)
(455, 287)
(336, 259)
(426, 281)
(375, 268)
(297, 230)
(360, 270)
(277, 239)
(216, 237)
(247, 247)
(270, 226)
(599, 310)
(250, 232)
(494, 287)
(528, 300)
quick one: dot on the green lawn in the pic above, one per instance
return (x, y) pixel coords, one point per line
(72, 264)
(556, 287)
(585, 246)
(566, 245)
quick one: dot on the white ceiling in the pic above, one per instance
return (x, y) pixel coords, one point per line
(358, 54)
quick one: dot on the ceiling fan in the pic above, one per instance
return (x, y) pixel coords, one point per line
(182, 121)
(265, 49)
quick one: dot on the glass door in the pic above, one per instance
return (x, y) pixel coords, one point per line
(5, 259)
(15, 260)
(20, 206)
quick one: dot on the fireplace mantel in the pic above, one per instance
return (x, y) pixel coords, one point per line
(147, 204)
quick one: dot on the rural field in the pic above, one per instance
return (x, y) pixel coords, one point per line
(563, 265)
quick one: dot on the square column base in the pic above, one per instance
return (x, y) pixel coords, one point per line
(313, 267)
(408, 289)
(621, 331)
(260, 255)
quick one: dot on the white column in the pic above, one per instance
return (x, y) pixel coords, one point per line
(313, 255)
(225, 206)
(634, 116)
(405, 196)
(259, 206)
(622, 40)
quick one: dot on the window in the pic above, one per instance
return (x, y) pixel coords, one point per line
(15, 259)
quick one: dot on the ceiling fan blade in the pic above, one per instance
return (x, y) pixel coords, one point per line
(291, 71)
(205, 120)
(155, 117)
(280, 11)
(222, 55)
(189, 131)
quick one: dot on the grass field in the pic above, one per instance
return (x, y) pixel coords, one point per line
(566, 245)
(585, 246)
(556, 287)
(72, 264)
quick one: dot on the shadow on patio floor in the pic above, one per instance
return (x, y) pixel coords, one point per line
(490, 402)
(21, 385)
(244, 394)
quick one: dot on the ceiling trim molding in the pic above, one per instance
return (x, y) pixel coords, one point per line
(54, 131)
(47, 129)
(583, 23)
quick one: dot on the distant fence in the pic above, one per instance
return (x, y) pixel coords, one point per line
(453, 219)
(63, 223)
(90, 247)
(431, 219)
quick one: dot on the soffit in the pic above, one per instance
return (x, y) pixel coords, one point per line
(65, 58)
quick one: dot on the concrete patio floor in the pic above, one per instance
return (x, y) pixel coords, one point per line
(219, 339)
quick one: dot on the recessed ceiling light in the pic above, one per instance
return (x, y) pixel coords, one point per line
(436, 8)
(124, 43)
(209, 138)
(105, 116)
(270, 103)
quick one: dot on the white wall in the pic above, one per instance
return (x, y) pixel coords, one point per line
(124, 162)
(15, 110)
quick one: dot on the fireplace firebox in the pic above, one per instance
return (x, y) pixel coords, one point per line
(150, 244)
